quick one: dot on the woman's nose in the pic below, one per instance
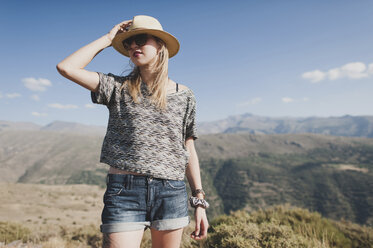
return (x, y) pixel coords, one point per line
(133, 45)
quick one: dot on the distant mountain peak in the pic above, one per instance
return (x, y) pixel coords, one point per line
(14, 125)
(74, 127)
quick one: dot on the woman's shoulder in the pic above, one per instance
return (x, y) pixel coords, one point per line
(118, 77)
(113, 78)
(182, 87)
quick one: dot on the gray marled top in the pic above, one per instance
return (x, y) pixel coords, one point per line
(139, 137)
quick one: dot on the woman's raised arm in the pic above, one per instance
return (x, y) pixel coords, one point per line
(72, 67)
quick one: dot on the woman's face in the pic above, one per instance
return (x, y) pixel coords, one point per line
(144, 55)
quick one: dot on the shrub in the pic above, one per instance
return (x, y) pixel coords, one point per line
(284, 226)
(13, 231)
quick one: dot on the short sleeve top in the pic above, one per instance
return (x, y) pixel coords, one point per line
(140, 138)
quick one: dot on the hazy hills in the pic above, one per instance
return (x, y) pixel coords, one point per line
(329, 174)
(46, 156)
(241, 170)
(359, 126)
(56, 126)
(53, 157)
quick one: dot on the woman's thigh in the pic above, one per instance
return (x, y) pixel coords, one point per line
(167, 238)
(130, 239)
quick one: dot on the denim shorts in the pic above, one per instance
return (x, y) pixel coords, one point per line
(135, 202)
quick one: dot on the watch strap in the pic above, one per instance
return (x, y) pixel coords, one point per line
(197, 191)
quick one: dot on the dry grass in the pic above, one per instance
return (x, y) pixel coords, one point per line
(68, 216)
(57, 216)
(48, 206)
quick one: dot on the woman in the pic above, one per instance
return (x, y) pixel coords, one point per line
(149, 143)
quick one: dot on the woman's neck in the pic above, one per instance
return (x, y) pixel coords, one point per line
(148, 76)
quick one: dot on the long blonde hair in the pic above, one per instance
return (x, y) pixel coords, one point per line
(158, 88)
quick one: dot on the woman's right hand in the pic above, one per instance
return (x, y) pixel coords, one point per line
(119, 28)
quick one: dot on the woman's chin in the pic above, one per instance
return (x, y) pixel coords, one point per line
(139, 62)
(142, 63)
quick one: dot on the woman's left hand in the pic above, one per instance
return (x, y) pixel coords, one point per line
(202, 224)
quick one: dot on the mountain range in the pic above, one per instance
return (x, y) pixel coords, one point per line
(352, 126)
(329, 174)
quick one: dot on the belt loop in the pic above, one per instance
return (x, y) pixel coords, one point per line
(164, 182)
(107, 178)
(130, 181)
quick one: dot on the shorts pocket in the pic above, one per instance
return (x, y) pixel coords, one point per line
(175, 184)
(114, 189)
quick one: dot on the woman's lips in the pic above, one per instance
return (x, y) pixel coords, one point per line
(136, 54)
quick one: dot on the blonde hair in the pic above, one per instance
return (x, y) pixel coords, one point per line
(157, 89)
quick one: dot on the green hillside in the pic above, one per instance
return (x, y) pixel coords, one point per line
(328, 174)
(337, 187)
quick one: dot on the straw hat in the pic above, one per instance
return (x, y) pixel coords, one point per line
(146, 24)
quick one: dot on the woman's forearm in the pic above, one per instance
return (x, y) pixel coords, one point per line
(193, 170)
(82, 57)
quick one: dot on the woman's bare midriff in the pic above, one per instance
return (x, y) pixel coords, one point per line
(113, 170)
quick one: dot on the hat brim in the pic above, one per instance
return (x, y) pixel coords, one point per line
(172, 43)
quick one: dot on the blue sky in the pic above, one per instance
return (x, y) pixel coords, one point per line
(269, 58)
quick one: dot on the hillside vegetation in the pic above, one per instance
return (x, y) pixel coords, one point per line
(68, 216)
(339, 189)
(285, 226)
(328, 174)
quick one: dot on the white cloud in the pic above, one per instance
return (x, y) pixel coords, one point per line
(38, 114)
(61, 106)
(334, 74)
(89, 105)
(35, 97)
(252, 101)
(354, 70)
(314, 76)
(13, 95)
(370, 68)
(287, 99)
(256, 100)
(34, 84)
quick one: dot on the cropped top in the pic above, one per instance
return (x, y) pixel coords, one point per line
(140, 138)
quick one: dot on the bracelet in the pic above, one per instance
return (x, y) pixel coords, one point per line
(196, 191)
(195, 202)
